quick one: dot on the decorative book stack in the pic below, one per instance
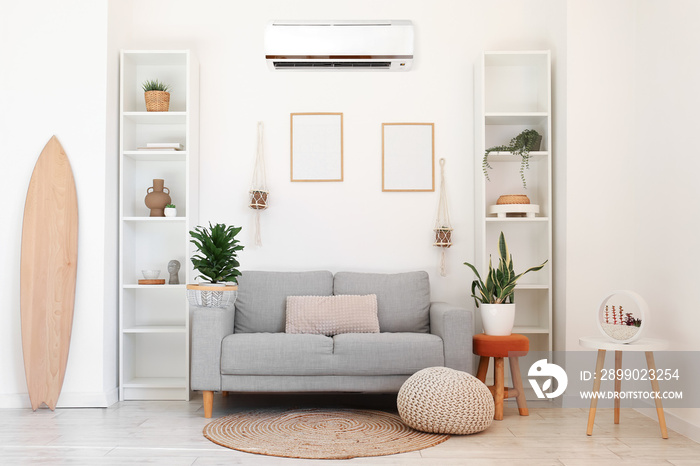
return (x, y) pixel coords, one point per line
(162, 146)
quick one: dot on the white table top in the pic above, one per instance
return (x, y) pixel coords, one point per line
(643, 344)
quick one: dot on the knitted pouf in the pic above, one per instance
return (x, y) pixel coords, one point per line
(445, 401)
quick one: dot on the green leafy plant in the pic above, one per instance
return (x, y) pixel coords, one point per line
(217, 247)
(520, 145)
(154, 85)
(170, 206)
(500, 283)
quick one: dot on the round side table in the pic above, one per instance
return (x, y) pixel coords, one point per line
(648, 345)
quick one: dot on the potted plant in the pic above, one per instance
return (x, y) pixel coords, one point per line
(157, 96)
(258, 199)
(443, 236)
(216, 261)
(170, 210)
(495, 296)
(522, 144)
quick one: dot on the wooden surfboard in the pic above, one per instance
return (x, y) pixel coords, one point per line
(48, 273)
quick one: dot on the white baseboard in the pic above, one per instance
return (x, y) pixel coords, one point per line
(674, 423)
(66, 400)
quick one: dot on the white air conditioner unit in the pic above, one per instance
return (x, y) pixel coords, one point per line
(339, 45)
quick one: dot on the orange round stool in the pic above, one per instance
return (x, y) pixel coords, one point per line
(498, 347)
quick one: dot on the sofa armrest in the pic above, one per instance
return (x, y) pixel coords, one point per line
(455, 325)
(209, 327)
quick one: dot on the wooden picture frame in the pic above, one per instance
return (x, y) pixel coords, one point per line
(408, 157)
(316, 147)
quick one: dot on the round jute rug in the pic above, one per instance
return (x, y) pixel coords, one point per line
(318, 433)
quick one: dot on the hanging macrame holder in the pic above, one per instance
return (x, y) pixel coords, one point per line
(443, 226)
(258, 189)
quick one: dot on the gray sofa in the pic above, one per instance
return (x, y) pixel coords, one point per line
(246, 350)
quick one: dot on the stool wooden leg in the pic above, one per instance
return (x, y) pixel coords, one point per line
(655, 386)
(618, 385)
(498, 383)
(600, 362)
(208, 403)
(483, 368)
(518, 385)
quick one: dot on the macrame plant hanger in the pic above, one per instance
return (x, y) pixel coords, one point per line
(443, 227)
(258, 187)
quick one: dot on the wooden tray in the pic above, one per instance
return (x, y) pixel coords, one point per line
(155, 281)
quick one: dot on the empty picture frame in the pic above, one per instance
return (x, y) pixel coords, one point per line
(408, 157)
(316, 147)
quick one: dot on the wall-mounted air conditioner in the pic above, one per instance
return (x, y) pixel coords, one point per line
(339, 45)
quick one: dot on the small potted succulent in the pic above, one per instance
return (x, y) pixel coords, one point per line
(217, 263)
(156, 95)
(495, 296)
(170, 210)
(522, 144)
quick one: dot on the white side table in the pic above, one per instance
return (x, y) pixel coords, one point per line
(648, 345)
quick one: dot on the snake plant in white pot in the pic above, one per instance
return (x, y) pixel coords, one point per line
(495, 295)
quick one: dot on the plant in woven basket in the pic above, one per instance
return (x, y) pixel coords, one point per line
(500, 283)
(520, 145)
(156, 95)
(217, 249)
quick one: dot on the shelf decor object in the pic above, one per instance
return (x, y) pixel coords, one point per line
(316, 146)
(443, 226)
(154, 318)
(512, 94)
(521, 145)
(157, 197)
(156, 95)
(615, 321)
(514, 205)
(408, 157)
(48, 270)
(258, 189)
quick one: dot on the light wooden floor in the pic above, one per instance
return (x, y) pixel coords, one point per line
(170, 433)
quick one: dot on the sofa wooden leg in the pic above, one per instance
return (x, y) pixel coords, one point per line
(224, 393)
(208, 403)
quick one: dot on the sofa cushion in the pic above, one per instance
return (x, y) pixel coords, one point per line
(331, 315)
(262, 297)
(385, 353)
(276, 354)
(356, 354)
(403, 299)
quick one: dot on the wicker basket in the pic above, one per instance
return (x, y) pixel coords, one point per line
(513, 199)
(157, 101)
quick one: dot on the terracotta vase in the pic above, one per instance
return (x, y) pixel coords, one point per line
(157, 197)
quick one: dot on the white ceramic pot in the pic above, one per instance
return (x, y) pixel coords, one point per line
(170, 212)
(498, 319)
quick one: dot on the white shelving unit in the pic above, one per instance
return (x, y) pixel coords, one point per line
(154, 319)
(513, 93)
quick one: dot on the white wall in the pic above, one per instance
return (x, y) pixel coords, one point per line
(666, 183)
(350, 225)
(631, 168)
(600, 126)
(52, 81)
